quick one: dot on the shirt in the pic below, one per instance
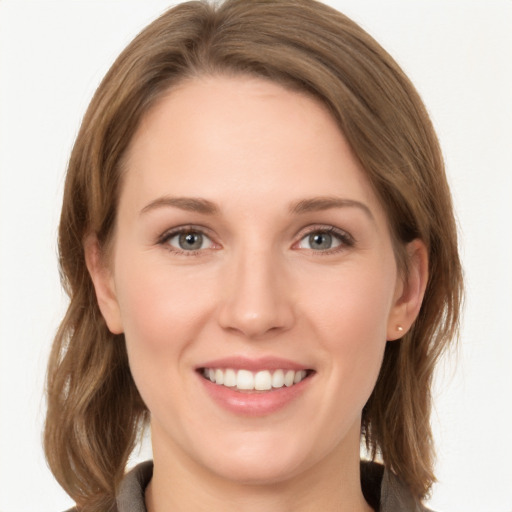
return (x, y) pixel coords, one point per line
(383, 490)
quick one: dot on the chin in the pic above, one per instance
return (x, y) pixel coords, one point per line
(260, 461)
(266, 471)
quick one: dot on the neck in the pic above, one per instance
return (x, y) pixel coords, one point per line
(331, 485)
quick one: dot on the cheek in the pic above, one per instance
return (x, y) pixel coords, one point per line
(353, 303)
(351, 317)
(162, 313)
(155, 303)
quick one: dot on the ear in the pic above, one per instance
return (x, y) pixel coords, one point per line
(409, 291)
(103, 282)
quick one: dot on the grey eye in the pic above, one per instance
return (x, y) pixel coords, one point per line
(320, 241)
(190, 241)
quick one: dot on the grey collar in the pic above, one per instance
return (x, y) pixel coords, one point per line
(381, 488)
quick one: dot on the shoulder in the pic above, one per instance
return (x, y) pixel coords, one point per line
(385, 492)
(131, 491)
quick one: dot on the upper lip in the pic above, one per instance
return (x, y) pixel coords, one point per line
(254, 364)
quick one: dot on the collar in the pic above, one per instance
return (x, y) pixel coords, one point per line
(383, 490)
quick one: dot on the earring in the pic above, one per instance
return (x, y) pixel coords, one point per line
(399, 328)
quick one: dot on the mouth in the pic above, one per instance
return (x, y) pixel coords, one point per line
(247, 381)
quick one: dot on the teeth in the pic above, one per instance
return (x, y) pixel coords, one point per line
(299, 376)
(263, 381)
(230, 378)
(289, 378)
(278, 379)
(246, 380)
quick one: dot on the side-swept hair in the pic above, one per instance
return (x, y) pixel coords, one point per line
(95, 412)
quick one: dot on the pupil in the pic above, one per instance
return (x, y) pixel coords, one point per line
(320, 241)
(191, 241)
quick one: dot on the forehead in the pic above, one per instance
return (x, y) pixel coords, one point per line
(241, 139)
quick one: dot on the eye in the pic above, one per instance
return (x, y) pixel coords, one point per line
(327, 239)
(187, 240)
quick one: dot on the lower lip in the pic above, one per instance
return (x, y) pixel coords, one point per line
(259, 403)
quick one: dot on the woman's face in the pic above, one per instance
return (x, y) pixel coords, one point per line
(250, 250)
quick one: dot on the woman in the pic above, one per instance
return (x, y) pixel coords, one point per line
(258, 242)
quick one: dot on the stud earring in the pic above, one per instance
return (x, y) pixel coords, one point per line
(399, 328)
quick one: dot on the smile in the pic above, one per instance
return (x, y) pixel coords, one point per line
(246, 380)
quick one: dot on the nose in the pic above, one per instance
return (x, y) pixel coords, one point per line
(257, 299)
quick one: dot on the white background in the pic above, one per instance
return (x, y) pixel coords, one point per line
(459, 55)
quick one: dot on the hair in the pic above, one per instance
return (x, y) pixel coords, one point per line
(95, 413)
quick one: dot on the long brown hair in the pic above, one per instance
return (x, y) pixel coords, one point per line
(94, 409)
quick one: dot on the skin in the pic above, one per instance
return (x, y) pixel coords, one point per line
(256, 288)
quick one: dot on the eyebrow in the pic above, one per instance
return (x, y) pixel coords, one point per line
(316, 204)
(206, 207)
(191, 204)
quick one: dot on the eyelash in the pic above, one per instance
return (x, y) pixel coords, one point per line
(346, 240)
(169, 235)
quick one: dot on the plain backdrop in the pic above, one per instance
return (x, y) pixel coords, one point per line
(458, 53)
